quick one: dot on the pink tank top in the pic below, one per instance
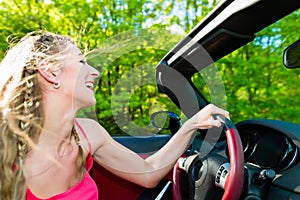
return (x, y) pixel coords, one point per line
(86, 189)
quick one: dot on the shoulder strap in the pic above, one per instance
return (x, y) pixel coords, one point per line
(84, 134)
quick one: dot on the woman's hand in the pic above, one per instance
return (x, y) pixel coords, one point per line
(205, 118)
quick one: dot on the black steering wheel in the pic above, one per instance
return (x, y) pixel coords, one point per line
(229, 176)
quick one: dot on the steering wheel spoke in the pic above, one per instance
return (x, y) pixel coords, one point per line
(208, 176)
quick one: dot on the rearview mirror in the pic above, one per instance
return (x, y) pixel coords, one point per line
(166, 120)
(291, 55)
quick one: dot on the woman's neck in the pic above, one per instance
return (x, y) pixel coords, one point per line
(59, 118)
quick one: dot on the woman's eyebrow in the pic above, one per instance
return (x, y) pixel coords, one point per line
(81, 54)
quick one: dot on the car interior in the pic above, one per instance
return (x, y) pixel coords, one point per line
(253, 159)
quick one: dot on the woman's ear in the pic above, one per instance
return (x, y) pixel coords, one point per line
(47, 75)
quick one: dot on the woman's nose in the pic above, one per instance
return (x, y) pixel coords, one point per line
(94, 72)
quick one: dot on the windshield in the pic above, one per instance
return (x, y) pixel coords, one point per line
(256, 82)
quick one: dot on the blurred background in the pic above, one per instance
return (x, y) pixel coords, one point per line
(125, 39)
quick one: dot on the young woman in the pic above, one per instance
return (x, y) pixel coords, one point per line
(45, 151)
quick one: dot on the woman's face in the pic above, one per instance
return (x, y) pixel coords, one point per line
(77, 78)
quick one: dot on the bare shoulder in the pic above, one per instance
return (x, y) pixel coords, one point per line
(91, 132)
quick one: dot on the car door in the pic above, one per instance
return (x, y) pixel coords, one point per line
(112, 187)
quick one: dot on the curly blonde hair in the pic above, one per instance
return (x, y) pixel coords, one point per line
(21, 114)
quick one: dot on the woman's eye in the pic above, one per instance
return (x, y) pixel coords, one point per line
(82, 61)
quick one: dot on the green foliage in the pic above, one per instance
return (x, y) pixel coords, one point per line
(257, 83)
(127, 92)
(125, 40)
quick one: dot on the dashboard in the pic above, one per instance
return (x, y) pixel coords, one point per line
(272, 144)
(269, 143)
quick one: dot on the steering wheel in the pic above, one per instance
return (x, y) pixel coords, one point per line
(235, 179)
(229, 177)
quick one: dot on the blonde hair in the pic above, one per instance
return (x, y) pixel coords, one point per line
(21, 114)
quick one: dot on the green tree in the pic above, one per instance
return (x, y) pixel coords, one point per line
(122, 37)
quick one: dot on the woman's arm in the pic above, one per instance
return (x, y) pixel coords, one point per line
(147, 172)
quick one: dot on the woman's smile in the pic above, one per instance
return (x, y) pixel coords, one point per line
(90, 85)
